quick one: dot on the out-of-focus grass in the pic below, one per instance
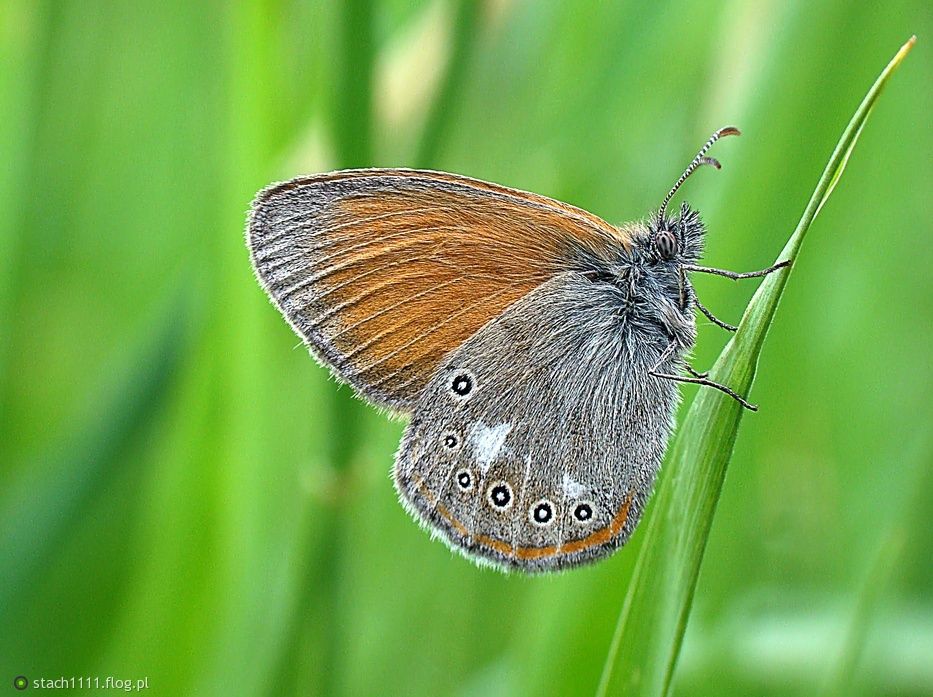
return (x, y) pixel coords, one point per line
(647, 641)
(242, 536)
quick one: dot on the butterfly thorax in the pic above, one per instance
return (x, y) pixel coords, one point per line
(653, 294)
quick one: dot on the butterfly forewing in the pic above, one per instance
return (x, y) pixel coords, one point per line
(548, 466)
(384, 272)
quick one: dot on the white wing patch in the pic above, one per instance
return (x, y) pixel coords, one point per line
(487, 442)
(572, 488)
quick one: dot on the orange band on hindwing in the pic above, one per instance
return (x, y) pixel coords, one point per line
(594, 539)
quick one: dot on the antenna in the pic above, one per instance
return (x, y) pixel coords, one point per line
(698, 161)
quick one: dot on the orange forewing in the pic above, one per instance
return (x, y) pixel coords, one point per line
(384, 272)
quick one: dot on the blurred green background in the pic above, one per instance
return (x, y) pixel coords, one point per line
(186, 496)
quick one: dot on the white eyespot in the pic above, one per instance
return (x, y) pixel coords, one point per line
(583, 513)
(499, 495)
(541, 513)
(464, 480)
(462, 384)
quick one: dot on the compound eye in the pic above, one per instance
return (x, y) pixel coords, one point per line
(666, 244)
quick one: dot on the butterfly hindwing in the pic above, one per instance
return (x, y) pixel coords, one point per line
(536, 443)
(384, 272)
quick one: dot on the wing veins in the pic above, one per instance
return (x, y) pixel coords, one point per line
(372, 290)
(421, 336)
(389, 308)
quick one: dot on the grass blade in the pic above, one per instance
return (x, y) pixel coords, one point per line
(644, 650)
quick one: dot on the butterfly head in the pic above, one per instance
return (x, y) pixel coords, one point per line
(651, 276)
(674, 240)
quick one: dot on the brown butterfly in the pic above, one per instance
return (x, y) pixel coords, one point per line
(534, 346)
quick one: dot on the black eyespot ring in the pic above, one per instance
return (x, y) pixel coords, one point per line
(583, 513)
(464, 479)
(451, 442)
(462, 384)
(542, 513)
(666, 244)
(500, 495)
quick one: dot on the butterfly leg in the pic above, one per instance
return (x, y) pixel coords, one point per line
(694, 373)
(699, 379)
(736, 276)
(713, 318)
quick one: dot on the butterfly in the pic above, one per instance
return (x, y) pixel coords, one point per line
(535, 347)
